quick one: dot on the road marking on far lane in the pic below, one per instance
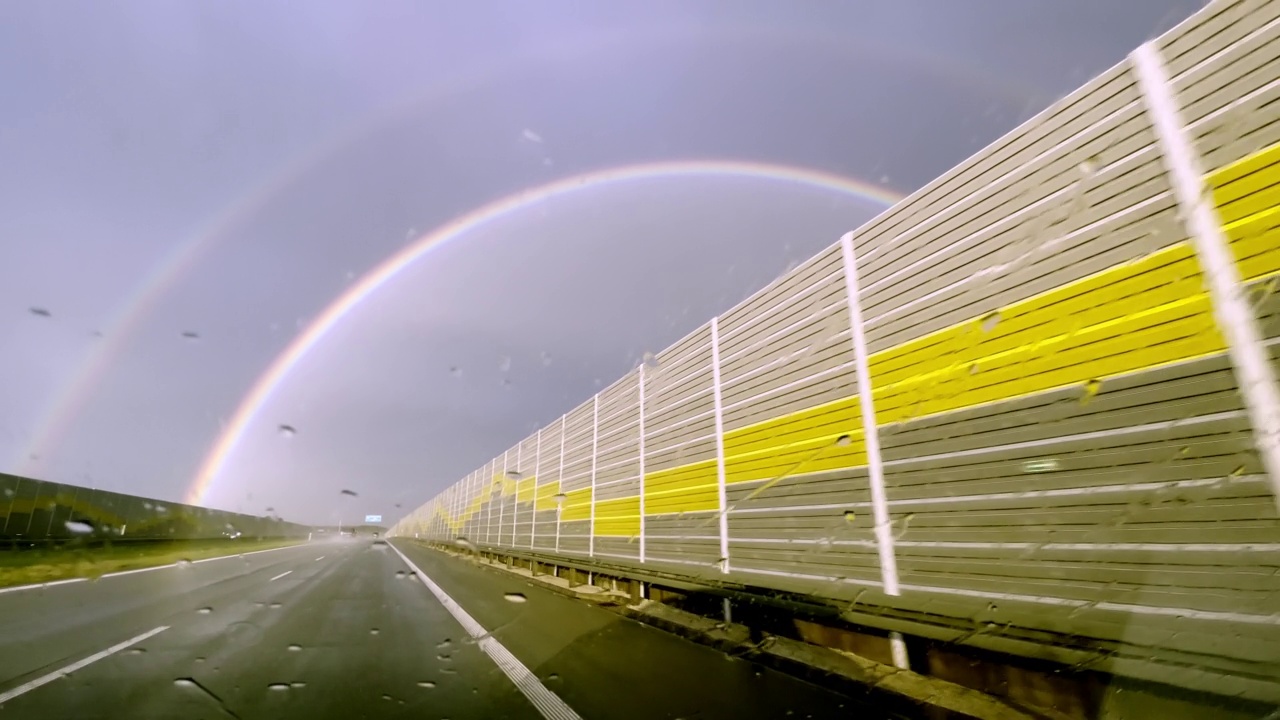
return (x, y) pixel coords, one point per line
(547, 702)
(286, 572)
(139, 570)
(63, 672)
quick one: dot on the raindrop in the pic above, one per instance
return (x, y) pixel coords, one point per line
(161, 509)
(850, 516)
(352, 493)
(287, 430)
(270, 509)
(205, 610)
(79, 527)
(553, 676)
(444, 643)
(386, 697)
(455, 371)
(183, 563)
(530, 135)
(546, 359)
(199, 659)
(297, 684)
(844, 441)
(295, 648)
(189, 335)
(399, 574)
(515, 597)
(559, 498)
(1090, 166)
(515, 474)
(137, 651)
(184, 682)
(274, 605)
(146, 505)
(278, 687)
(40, 311)
(1091, 388)
(449, 671)
(505, 365)
(443, 658)
(426, 684)
(8, 492)
(373, 631)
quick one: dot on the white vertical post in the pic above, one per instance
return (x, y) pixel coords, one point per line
(489, 467)
(870, 429)
(595, 438)
(641, 443)
(1231, 307)
(560, 479)
(898, 649)
(719, 410)
(533, 509)
(502, 500)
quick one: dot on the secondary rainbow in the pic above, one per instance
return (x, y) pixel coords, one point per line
(280, 368)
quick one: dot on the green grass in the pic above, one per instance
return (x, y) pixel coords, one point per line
(28, 567)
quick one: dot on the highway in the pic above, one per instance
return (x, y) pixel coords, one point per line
(344, 629)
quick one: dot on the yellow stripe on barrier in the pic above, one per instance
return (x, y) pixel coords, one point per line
(546, 497)
(1142, 314)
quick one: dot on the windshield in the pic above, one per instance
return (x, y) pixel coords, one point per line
(640, 360)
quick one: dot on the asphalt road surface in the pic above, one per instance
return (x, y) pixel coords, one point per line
(345, 629)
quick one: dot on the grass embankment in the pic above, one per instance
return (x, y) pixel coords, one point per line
(28, 567)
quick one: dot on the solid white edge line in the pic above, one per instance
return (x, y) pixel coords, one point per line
(45, 679)
(547, 702)
(286, 572)
(138, 570)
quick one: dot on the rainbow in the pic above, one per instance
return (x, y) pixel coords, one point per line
(369, 283)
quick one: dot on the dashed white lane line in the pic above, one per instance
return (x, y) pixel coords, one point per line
(547, 702)
(286, 572)
(63, 672)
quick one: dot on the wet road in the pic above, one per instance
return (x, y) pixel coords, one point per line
(347, 630)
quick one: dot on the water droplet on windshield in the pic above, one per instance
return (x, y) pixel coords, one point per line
(546, 360)
(78, 527)
(444, 643)
(278, 687)
(191, 335)
(553, 676)
(295, 648)
(205, 610)
(426, 684)
(274, 605)
(137, 651)
(373, 631)
(399, 574)
(39, 311)
(184, 682)
(505, 365)
(515, 597)
(990, 321)
(443, 658)
(850, 516)
(352, 493)
(297, 684)
(455, 371)
(844, 441)
(287, 430)
(183, 563)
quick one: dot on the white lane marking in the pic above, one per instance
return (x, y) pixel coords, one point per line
(45, 679)
(547, 702)
(41, 585)
(286, 572)
(139, 570)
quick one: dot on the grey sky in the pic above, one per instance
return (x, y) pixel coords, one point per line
(296, 146)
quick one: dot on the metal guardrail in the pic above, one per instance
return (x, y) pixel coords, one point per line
(1034, 402)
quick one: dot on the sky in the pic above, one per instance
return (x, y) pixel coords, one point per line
(186, 187)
